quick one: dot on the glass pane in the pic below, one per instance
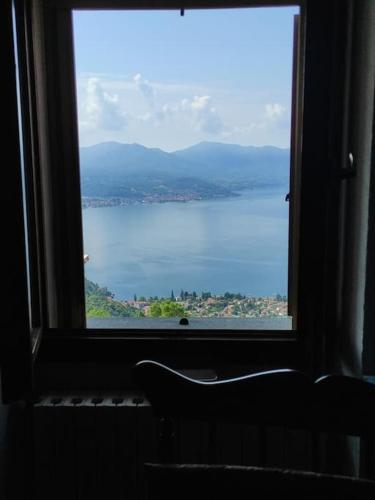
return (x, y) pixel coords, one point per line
(184, 129)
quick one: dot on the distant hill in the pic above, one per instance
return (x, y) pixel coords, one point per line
(206, 170)
(115, 158)
(231, 163)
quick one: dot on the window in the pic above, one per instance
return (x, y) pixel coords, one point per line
(47, 95)
(58, 190)
(185, 131)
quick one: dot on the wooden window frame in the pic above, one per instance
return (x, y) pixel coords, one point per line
(49, 90)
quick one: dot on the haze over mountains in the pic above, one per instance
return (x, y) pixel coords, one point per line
(133, 172)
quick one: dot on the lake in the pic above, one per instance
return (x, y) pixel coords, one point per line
(237, 244)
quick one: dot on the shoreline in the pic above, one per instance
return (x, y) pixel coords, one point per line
(98, 202)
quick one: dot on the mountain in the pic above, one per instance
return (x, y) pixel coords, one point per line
(234, 164)
(115, 158)
(134, 172)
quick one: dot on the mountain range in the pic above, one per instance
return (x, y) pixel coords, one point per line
(206, 170)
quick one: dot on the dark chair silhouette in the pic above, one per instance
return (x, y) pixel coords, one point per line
(331, 404)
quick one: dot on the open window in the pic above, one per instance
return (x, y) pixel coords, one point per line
(67, 186)
(168, 173)
(185, 129)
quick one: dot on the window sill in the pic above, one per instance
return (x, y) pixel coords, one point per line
(211, 325)
(195, 347)
(103, 359)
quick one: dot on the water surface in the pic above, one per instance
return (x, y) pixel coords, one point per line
(237, 244)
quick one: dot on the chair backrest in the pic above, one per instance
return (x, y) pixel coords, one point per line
(287, 398)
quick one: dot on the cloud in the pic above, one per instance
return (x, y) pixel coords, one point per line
(99, 109)
(274, 116)
(205, 115)
(145, 88)
(199, 110)
(274, 112)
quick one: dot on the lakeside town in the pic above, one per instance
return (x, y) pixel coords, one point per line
(207, 305)
(101, 303)
(88, 202)
(148, 198)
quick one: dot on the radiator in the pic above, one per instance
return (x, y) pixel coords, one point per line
(95, 447)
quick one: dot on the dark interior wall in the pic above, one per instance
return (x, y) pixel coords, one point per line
(369, 313)
(4, 411)
(16, 466)
(361, 116)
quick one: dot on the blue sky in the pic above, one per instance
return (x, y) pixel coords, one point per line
(167, 81)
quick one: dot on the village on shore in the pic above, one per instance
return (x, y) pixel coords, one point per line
(101, 302)
(207, 305)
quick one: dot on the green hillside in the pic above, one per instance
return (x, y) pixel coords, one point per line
(101, 304)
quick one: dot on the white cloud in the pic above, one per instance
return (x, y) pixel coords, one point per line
(202, 113)
(100, 106)
(199, 111)
(205, 115)
(274, 111)
(145, 88)
(274, 116)
(100, 109)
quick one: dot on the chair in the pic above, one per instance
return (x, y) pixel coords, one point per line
(331, 404)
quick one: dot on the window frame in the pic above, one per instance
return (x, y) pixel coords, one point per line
(51, 90)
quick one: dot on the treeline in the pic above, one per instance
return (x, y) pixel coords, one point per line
(184, 295)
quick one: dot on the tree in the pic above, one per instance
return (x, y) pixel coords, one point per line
(155, 310)
(166, 308)
(98, 313)
(172, 310)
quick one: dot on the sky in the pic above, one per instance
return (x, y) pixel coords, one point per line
(168, 81)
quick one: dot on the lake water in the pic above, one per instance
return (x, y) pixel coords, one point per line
(238, 244)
